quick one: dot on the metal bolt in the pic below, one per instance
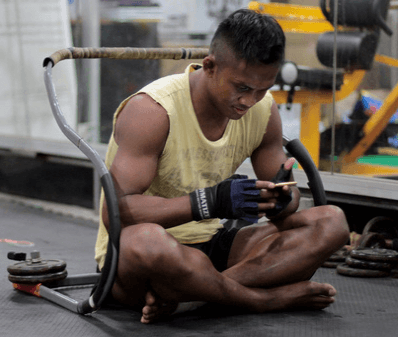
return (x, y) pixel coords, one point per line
(35, 256)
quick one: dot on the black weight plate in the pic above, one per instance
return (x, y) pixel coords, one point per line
(43, 267)
(344, 269)
(338, 256)
(331, 264)
(36, 279)
(394, 273)
(363, 264)
(382, 225)
(375, 254)
(372, 240)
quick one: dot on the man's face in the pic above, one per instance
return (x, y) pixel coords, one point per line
(236, 87)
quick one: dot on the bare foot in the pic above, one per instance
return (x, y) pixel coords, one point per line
(302, 295)
(156, 308)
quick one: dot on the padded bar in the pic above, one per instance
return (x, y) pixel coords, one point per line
(355, 50)
(126, 54)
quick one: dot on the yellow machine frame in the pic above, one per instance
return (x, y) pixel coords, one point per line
(310, 20)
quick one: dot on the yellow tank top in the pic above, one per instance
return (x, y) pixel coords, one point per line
(189, 160)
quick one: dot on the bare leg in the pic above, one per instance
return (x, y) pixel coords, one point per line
(155, 269)
(287, 252)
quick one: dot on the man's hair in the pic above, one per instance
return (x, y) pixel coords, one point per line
(251, 36)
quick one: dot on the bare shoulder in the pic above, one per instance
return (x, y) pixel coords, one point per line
(143, 124)
(270, 147)
(141, 132)
(274, 127)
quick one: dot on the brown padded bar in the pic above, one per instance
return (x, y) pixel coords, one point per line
(126, 54)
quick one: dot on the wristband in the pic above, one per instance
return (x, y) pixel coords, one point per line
(202, 204)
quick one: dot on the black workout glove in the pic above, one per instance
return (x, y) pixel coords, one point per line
(234, 198)
(283, 199)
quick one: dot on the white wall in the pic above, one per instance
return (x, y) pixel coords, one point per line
(30, 31)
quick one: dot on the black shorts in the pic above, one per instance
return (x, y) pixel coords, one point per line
(218, 248)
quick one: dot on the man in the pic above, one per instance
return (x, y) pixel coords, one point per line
(175, 145)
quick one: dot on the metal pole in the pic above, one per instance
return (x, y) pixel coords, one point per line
(394, 45)
(335, 21)
(91, 68)
(91, 80)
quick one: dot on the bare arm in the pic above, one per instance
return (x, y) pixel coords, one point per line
(141, 133)
(269, 156)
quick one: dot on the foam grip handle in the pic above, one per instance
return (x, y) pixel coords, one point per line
(126, 54)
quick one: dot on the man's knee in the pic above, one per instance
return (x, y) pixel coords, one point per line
(334, 224)
(146, 245)
(336, 219)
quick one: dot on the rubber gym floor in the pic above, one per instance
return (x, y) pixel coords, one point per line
(363, 307)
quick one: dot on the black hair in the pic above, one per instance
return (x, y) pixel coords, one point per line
(251, 36)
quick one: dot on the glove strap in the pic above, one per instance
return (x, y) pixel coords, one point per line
(201, 204)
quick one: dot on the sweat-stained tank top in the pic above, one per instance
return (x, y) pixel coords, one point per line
(189, 160)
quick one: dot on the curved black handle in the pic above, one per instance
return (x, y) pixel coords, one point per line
(297, 150)
(109, 270)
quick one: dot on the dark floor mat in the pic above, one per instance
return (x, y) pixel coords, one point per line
(364, 307)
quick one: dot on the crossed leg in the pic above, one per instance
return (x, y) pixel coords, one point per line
(268, 266)
(289, 251)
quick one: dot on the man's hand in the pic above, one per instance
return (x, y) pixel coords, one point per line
(240, 198)
(283, 196)
(234, 198)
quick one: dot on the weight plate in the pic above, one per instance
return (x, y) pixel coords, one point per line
(344, 269)
(338, 256)
(362, 264)
(372, 240)
(36, 279)
(394, 273)
(43, 267)
(382, 225)
(375, 254)
(331, 264)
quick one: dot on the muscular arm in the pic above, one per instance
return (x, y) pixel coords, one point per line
(141, 132)
(269, 156)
